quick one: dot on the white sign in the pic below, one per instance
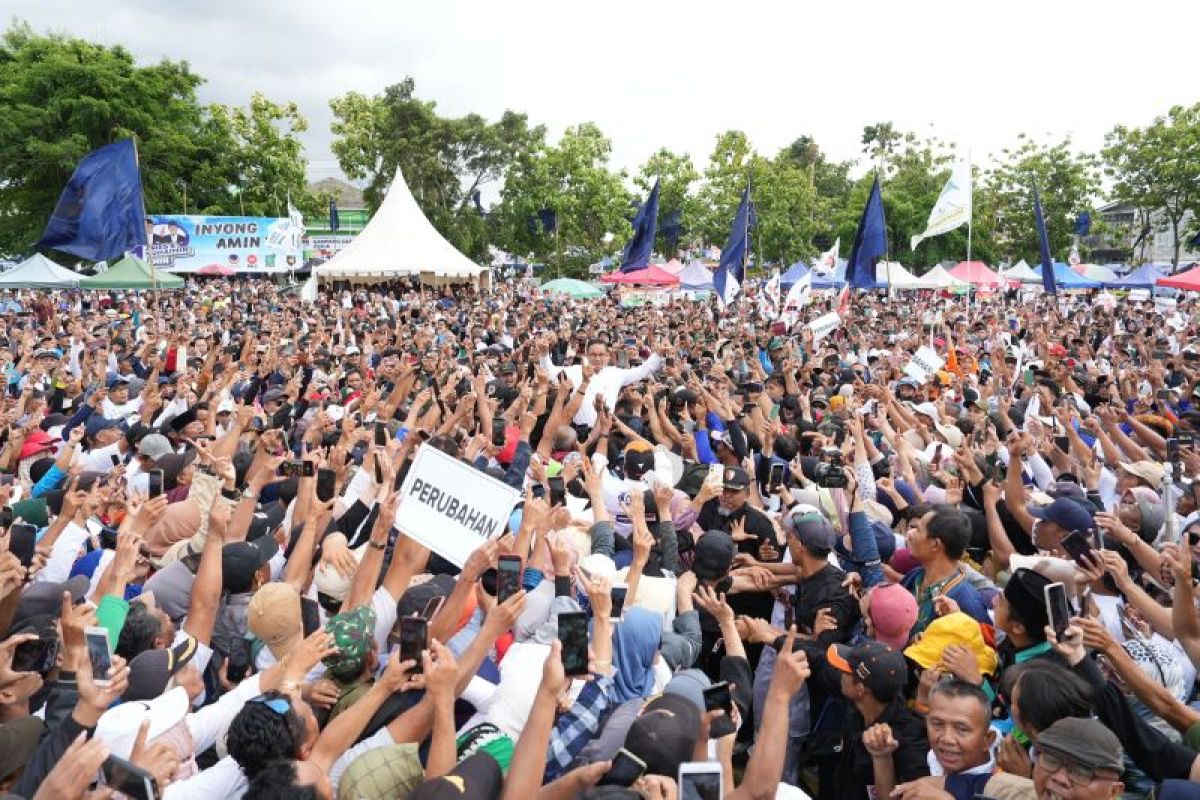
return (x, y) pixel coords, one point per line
(451, 507)
(924, 364)
(1162, 304)
(824, 325)
(1138, 295)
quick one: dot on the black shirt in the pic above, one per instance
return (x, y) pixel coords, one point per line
(854, 771)
(758, 526)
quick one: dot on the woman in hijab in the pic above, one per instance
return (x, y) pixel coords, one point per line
(636, 640)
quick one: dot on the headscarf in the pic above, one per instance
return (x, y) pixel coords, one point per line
(635, 643)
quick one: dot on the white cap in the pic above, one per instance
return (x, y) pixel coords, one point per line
(118, 726)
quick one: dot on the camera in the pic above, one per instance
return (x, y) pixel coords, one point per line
(828, 472)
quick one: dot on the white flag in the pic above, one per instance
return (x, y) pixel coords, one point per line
(768, 298)
(827, 262)
(797, 298)
(1074, 259)
(953, 206)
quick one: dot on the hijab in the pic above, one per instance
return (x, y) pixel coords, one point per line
(636, 639)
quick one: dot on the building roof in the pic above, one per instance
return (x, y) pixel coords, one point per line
(349, 197)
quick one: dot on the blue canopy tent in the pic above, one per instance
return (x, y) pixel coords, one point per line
(1067, 278)
(695, 276)
(1144, 277)
(836, 281)
(795, 273)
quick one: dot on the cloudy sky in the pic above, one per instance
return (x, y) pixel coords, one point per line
(654, 73)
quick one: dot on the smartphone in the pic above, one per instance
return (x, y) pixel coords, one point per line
(99, 653)
(156, 482)
(701, 780)
(22, 538)
(1077, 547)
(719, 698)
(573, 633)
(999, 472)
(508, 577)
(498, 432)
(775, 477)
(381, 434)
(618, 594)
(293, 468)
(414, 638)
(1057, 608)
(36, 655)
(625, 770)
(434, 607)
(378, 472)
(251, 393)
(1028, 377)
(116, 460)
(558, 491)
(326, 484)
(128, 779)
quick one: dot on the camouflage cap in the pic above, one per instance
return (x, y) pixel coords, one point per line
(354, 634)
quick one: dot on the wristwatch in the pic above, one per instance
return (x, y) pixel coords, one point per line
(378, 545)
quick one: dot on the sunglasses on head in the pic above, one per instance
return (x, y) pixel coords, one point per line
(279, 705)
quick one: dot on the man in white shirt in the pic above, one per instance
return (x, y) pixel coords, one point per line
(607, 381)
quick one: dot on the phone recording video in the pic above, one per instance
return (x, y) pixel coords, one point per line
(1057, 608)
(99, 654)
(414, 639)
(155, 477)
(573, 633)
(508, 577)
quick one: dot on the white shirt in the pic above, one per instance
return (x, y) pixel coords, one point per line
(63, 554)
(224, 779)
(607, 382)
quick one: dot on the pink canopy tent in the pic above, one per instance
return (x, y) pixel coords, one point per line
(1189, 280)
(216, 269)
(652, 275)
(977, 273)
(674, 266)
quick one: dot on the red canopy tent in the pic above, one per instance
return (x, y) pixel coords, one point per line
(1189, 280)
(977, 273)
(650, 276)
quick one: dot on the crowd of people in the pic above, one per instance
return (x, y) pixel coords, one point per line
(807, 568)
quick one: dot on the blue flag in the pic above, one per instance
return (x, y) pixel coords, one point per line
(99, 216)
(1083, 224)
(870, 242)
(645, 226)
(1048, 282)
(672, 227)
(334, 222)
(731, 272)
(549, 220)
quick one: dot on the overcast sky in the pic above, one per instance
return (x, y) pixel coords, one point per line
(652, 73)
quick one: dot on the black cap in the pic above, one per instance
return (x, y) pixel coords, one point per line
(665, 734)
(241, 560)
(46, 598)
(477, 777)
(713, 555)
(151, 670)
(879, 667)
(735, 478)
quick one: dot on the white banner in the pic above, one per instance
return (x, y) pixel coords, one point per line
(953, 206)
(924, 365)
(827, 262)
(1162, 304)
(451, 507)
(1138, 296)
(824, 325)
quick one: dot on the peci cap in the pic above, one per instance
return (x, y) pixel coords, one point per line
(1025, 594)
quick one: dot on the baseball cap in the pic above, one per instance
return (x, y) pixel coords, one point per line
(814, 531)
(639, 459)
(735, 478)
(154, 446)
(1065, 513)
(38, 441)
(241, 560)
(273, 616)
(151, 670)
(876, 665)
(418, 595)
(893, 612)
(665, 734)
(953, 629)
(46, 598)
(118, 726)
(475, 778)
(713, 555)
(1087, 742)
(18, 742)
(1149, 471)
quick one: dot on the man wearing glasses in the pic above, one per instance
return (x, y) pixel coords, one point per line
(1078, 759)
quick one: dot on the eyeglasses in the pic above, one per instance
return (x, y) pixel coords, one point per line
(279, 705)
(1077, 773)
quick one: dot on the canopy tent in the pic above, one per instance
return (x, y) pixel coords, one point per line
(1144, 277)
(830, 281)
(1067, 278)
(400, 241)
(1189, 280)
(38, 272)
(674, 266)
(1021, 272)
(793, 275)
(696, 276)
(940, 278)
(132, 273)
(1096, 272)
(977, 273)
(894, 275)
(216, 269)
(572, 288)
(652, 275)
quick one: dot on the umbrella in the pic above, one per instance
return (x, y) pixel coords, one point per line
(572, 288)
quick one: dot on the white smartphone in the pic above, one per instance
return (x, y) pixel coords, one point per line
(99, 653)
(701, 780)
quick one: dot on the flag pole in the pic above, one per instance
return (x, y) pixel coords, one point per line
(137, 160)
(558, 242)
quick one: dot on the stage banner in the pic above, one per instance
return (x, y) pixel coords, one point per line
(186, 244)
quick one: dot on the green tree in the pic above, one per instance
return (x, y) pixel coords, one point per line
(572, 179)
(445, 161)
(678, 175)
(785, 201)
(725, 179)
(265, 156)
(1157, 169)
(830, 179)
(1067, 182)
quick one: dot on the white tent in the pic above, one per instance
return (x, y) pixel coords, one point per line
(939, 278)
(38, 272)
(894, 273)
(1021, 272)
(399, 241)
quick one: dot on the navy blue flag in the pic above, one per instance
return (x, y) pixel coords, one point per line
(737, 248)
(870, 242)
(1194, 242)
(475, 198)
(1083, 224)
(645, 226)
(99, 216)
(334, 222)
(549, 220)
(672, 227)
(1048, 282)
